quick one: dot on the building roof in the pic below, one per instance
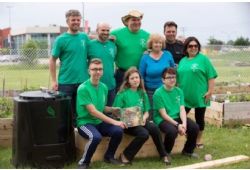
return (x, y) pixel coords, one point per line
(38, 29)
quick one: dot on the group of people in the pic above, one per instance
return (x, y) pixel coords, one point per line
(161, 75)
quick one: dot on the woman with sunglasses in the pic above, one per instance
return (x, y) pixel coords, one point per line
(196, 77)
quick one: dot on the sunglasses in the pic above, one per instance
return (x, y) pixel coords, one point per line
(193, 46)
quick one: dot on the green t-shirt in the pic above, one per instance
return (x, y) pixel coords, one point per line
(130, 47)
(89, 94)
(192, 77)
(71, 49)
(129, 98)
(106, 51)
(170, 100)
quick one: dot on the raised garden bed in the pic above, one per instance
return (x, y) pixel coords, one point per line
(6, 127)
(229, 109)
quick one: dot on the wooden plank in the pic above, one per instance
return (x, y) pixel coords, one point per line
(215, 163)
(147, 150)
(238, 111)
(6, 126)
(6, 123)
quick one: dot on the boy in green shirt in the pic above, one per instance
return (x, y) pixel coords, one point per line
(170, 114)
(91, 122)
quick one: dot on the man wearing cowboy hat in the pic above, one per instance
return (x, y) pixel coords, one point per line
(131, 42)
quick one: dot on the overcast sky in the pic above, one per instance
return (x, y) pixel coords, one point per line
(224, 20)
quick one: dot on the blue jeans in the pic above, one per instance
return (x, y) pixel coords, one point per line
(71, 91)
(94, 133)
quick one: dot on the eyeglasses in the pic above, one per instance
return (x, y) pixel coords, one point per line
(193, 46)
(170, 77)
(96, 69)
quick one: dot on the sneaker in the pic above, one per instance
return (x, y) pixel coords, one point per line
(83, 166)
(113, 161)
(191, 155)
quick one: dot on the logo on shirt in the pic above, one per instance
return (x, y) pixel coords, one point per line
(143, 42)
(83, 43)
(140, 103)
(194, 67)
(178, 99)
(111, 52)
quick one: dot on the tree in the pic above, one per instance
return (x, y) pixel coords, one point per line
(42, 44)
(217, 43)
(242, 41)
(213, 41)
(230, 42)
(29, 52)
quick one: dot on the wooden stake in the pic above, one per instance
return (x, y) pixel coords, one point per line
(215, 163)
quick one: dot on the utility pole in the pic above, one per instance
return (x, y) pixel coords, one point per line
(83, 16)
(182, 29)
(9, 37)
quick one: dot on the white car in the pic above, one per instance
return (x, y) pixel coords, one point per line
(9, 58)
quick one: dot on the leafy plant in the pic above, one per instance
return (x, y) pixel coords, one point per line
(6, 107)
(243, 97)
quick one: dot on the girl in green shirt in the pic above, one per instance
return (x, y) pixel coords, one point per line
(132, 93)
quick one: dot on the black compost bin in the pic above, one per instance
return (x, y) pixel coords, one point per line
(43, 135)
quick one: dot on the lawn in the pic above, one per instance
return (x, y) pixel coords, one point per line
(228, 71)
(20, 77)
(220, 142)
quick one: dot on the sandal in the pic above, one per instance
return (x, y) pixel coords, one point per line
(200, 145)
(167, 160)
(121, 159)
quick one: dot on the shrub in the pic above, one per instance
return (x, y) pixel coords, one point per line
(6, 107)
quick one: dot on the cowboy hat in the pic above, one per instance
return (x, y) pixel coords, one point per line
(132, 13)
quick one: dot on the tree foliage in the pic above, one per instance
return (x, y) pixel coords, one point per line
(241, 41)
(29, 52)
(213, 41)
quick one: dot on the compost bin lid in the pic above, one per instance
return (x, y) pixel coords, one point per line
(42, 95)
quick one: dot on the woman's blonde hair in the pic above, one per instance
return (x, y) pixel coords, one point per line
(125, 83)
(155, 38)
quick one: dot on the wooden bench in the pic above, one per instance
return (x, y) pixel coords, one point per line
(147, 150)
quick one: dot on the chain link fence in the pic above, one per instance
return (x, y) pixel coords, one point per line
(231, 62)
(23, 70)
(28, 69)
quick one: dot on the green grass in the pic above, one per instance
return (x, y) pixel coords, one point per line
(18, 78)
(220, 142)
(225, 66)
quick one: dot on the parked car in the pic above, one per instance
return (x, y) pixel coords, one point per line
(9, 58)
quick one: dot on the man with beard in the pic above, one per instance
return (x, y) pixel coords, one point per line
(131, 42)
(104, 49)
(71, 49)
